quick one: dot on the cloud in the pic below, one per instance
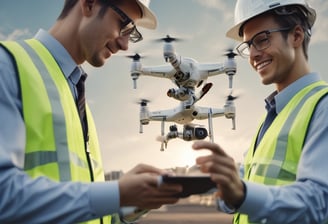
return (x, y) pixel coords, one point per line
(221, 5)
(226, 8)
(321, 24)
(16, 34)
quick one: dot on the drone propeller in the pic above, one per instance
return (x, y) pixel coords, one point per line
(135, 57)
(231, 97)
(230, 53)
(169, 39)
(143, 102)
(233, 94)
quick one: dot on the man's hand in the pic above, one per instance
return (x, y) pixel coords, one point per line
(223, 171)
(139, 187)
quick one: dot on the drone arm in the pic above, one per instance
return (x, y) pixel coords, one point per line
(202, 112)
(164, 71)
(161, 115)
(212, 69)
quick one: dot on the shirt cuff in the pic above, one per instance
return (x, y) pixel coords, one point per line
(223, 207)
(229, 209)
(105, 197)
(256, 197)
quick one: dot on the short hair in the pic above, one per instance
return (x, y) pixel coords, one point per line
(290, 16)
(69, 4)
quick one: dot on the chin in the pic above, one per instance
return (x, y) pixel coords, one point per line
(98, 62)
(267, 81)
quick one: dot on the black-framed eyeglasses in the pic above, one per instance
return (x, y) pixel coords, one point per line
(260, 41)
(128, 28)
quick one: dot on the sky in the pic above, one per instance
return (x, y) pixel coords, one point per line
(202, 25)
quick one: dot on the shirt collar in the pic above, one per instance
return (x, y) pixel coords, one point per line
(280, 99)
(62, 57)
(270, 101)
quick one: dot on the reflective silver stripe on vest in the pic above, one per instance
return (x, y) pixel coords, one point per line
(62, 152)
(34, 159)
(274, 170)
(95, 164)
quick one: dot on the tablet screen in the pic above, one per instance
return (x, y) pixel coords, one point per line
(191, 184)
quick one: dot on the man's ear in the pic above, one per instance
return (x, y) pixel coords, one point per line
(87, 6)
(298, 36)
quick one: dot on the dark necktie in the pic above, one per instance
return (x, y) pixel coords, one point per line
(266, 124)
(80, 86)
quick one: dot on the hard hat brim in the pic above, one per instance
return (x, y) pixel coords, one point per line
(233, 33)
(148, 19)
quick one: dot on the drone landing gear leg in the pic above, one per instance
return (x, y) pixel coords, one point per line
(140, 128)
(162, 135)
(210, 125)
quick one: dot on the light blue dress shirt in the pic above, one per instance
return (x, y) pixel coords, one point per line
(306, 200)
(26, 200)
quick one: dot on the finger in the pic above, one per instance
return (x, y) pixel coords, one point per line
(217, 165)
(203, 159)
(210, 160)
(215, 148)
(204, 162)
(144, 168)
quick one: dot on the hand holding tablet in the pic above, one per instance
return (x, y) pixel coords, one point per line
(191, 184)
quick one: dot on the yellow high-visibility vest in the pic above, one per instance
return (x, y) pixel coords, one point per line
(276, 157)
(54, 138)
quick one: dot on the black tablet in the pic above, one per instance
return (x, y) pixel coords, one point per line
(191, 184)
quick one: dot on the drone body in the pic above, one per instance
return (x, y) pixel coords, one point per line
(190, 78)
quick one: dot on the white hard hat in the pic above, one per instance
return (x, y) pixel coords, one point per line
(247, 9)
(148, 19)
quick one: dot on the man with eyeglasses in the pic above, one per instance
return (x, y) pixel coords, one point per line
(50, 163)
(283, 176)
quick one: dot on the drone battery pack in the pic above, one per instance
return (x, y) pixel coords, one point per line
(191, 184)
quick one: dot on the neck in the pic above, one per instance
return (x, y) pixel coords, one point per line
(299, 69)
(66, 32)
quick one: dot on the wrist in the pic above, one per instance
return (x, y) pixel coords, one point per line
(237, 204)
(131, 214)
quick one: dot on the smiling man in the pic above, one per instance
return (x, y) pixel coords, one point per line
(50, 163)
(283, 179)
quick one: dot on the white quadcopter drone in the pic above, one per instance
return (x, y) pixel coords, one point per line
(189, 76)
